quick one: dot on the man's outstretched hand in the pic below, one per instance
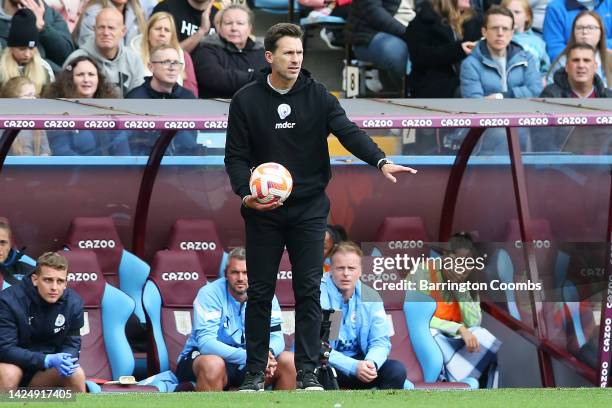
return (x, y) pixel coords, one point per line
(390, 169)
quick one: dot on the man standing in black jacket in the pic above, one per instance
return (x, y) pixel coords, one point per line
(40, 323)
(285, 117)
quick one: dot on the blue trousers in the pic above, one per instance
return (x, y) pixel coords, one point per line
(386, 51)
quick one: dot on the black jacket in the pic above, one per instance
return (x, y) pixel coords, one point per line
(30, 328)
(221, 69)
(145, 91)
(368, 17)
(562, 89)
(436, 54)
(291, 129)
(183, 143)
(13, 269)
(55, 41)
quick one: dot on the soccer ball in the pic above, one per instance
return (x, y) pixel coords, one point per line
(271, 182)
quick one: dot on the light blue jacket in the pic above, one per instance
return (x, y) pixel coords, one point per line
(218, 325)
(480, 75)
(560, 15)
(533, 43)
(370, 322)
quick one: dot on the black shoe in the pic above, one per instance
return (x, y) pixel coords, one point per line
(307, 380)
(252, 382)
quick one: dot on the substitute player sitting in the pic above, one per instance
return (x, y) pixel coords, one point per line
(40, 322)
(214, 355)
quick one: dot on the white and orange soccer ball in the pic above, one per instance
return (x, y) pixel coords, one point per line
(271, 182)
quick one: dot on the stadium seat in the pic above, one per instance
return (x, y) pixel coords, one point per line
(274, 6)
(402, 229)
(401, 235)
(417, 310)
(507, 262)
(175, 279)
(105, 352)
(286, 300)
(119, 267)
(319, 22)
(200, 236)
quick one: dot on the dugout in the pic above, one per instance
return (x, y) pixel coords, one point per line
(459, 187)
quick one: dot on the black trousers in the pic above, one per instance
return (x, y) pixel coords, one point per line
(299, 225)
(391, 376)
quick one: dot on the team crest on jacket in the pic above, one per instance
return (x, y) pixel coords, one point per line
(284, 110)
(60, 320)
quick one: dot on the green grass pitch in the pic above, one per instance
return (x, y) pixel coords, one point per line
(521, 398)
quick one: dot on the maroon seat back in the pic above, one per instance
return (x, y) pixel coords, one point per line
(87, 279)
(98, 234)
(284, 282)
(403, 236)
(286, 300)
(178, 276)
(200, 236)
(401, 347)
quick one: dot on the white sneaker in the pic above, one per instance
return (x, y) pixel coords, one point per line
(327, 38)
(372, 81)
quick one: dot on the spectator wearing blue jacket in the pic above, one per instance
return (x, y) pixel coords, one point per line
(560, 15)
(360, 353)
(215, 355)
(498, 68)
(40, 323)
(12, 267)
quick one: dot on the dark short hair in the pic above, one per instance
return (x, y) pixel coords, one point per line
(51, 260)
(579, 46)
(278, 31)
(346, 247)
(497, 10)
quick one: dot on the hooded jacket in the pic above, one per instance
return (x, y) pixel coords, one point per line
(290, 129)
(13, 268)
(183, 143)
(222, 69)
(480, 75)
(126, 70)
(561, 87)
(55, 42)
(369, 321)
(218, 325)
(86, 29)
(145, 91)
(30, 327)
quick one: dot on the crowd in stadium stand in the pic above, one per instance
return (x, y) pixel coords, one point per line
(429, 48)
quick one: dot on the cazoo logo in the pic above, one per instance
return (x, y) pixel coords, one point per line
(96, 244)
